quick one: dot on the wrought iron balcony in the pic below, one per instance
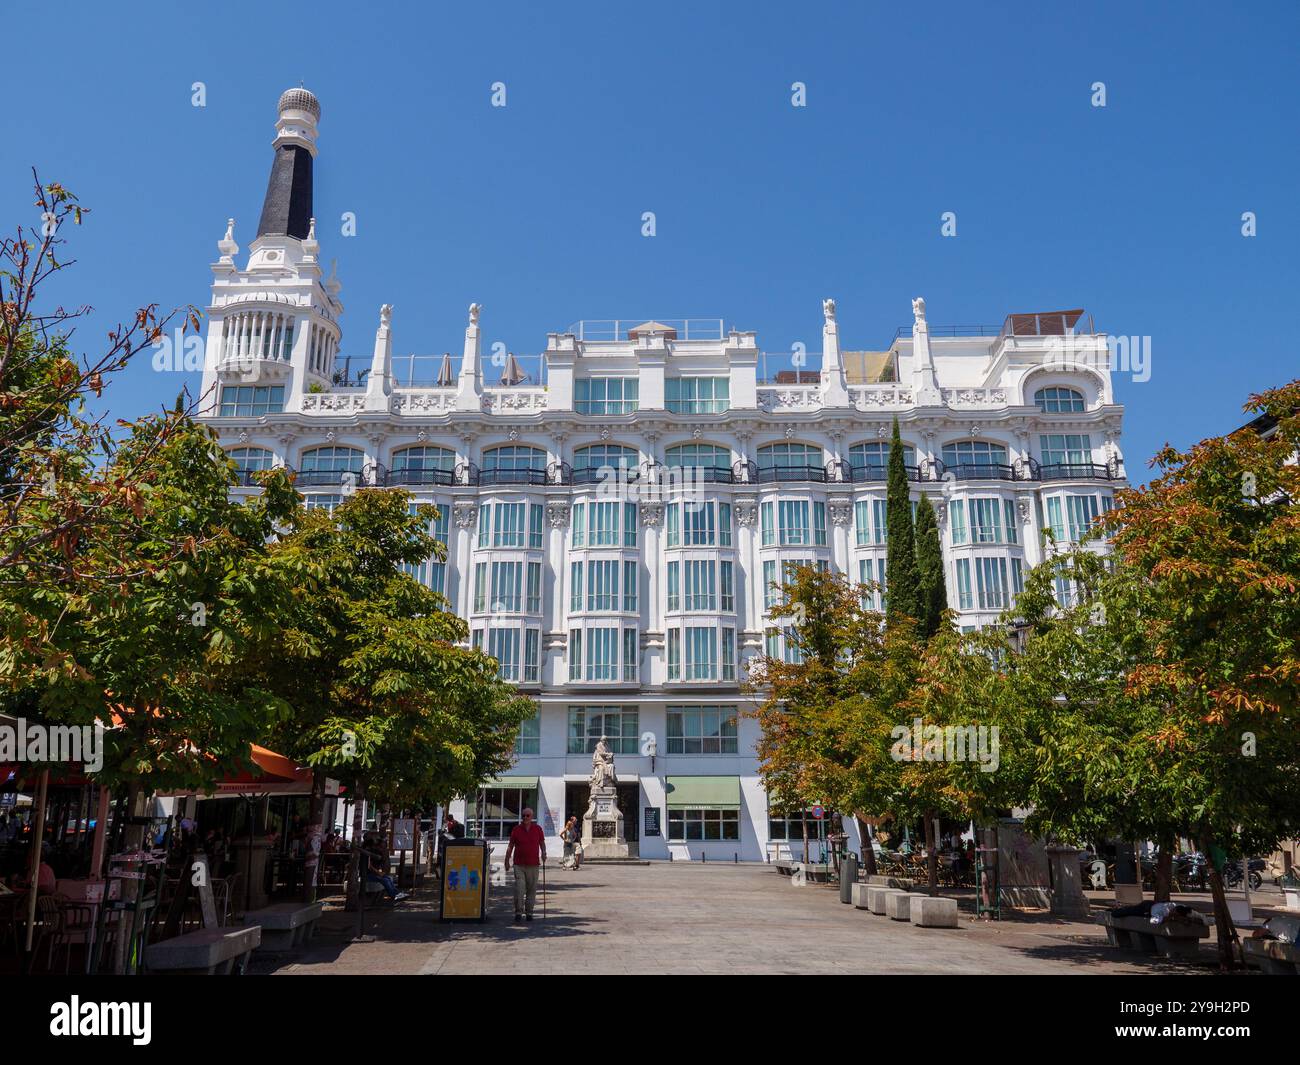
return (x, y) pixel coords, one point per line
(418, 475)
(497, 475)
(1079, 471)
(781, 474)
(880, 474)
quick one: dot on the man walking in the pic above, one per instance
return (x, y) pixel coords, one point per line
(528, 848)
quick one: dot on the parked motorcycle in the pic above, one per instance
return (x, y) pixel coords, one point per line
(1232, 874)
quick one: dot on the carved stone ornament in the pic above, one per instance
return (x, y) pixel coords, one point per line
(841, 511)
(1022, 505)
(746, 511)
(466, 514)
(557, 514)
(652, 514)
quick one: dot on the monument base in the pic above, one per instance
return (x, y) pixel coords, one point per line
(602, 827)
(603, 849)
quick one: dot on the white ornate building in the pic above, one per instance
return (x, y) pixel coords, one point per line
(628, 605)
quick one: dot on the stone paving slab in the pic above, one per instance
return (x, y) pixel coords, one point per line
(674, 918)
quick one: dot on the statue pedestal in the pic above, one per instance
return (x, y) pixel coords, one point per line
(602, 826)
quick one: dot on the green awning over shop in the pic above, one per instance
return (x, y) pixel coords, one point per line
(704, 793)
(511, 782)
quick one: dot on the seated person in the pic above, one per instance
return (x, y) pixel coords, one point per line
(377, 873)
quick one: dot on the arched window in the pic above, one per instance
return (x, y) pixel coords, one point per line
(514, 457)
(976, 460)
(596, 456)
(327, 465)
(423, 465)
(332, 460)
(251, 459)
(513, 464)
(699, 456)
(1057, 400)
(874, 455)
(788, 456)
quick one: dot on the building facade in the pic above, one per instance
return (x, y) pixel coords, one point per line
(617, 529)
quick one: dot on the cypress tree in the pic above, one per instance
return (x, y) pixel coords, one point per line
(929, 564)
(902, 580)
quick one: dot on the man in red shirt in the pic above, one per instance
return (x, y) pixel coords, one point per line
(528, 848)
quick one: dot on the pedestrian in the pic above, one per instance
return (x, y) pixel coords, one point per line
(572, 846)
(377, 869)
(528, 848)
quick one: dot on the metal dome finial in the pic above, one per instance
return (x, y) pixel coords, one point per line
(300, 99)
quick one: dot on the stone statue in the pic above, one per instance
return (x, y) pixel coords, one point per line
(602, 767)
(230, 229)
(386, 316)
(474, 309)
(602, 824)
(311, 230)
(918, 308)
(828, 310)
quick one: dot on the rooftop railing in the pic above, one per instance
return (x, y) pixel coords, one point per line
(611, 330)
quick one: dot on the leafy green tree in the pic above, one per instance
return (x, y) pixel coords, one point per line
(902, 580)
(1164, 702)
(384, 695)
(929, 562)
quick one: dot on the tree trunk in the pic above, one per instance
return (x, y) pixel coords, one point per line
(931, 853)
(1227, 931)
(131, 842)
(868, 851)
(353, 890)
(315, 835)
(1164, 870)
(805, 837)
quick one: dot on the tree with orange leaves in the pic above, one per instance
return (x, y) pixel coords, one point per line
(1167, 702)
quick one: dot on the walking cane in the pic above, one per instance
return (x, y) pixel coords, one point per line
(543, 888)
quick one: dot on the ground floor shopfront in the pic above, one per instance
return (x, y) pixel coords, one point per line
(688, 782)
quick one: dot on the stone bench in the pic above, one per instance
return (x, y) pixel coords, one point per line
(805, 872)
(860, 895)
(209, 952)
(932, 911)
(899, 905)
(1172, 938)
(902, 883)
(286, 925)
(1271, 956)
(877, 896)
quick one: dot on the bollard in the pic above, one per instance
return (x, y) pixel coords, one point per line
(848, 877)
(735, 857)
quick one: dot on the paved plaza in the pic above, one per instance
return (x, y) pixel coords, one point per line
(679, 918)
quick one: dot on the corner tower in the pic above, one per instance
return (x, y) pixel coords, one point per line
(273, 326)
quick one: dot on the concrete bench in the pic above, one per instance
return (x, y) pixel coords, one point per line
(902, 883)
(933, 911)
(805, 872)
(1172, 938)
(209, 952)
(899, 905)
(860, 895)
(876, 897)
(286, 925)
(1271, 956)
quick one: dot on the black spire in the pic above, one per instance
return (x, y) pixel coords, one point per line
(287, 209)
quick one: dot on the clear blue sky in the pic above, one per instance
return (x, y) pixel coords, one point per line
(1132, 211)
